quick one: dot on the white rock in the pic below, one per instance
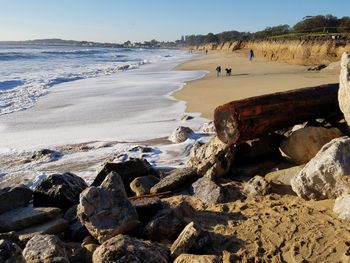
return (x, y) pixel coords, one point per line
(208, 127)
(342, 207)
(326, 175)
(180, 134)
(344, 86)
(257, 186)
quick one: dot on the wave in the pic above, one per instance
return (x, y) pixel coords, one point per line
(8, 56)
(76, 52)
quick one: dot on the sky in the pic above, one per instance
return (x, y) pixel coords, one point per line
(142, 20)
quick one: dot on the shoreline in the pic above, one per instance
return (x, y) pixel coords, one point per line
(257, 77)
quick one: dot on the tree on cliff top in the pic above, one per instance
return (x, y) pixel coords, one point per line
(318, 23)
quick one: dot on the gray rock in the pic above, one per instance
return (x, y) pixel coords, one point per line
(146, 208)
(76, 231)
(257, 186)
(342, 207)
(344, 86)
(45, 248)
(123, 248)
(106, 211)
(11, 198)
(212, 159)
(59, 190)
(189, 258)
(326, 174)
(128, 171)
(24, 217)
(283, 176)
(10, 252)
(50, 227)
(208, 191)
(180, 134)
(177, 179)
(305, 143)
(185, 240)
(168, 223)
(142, 185)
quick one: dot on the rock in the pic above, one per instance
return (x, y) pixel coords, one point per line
(146, 208)
(24, 217)
(212, 159)
(45, 248)
(185, 240)
(283, 176)
(123, 248)
(257, 186)
(187, 117)
(76, 231)
(90, 244)
(305, 143)
(59, 190)
(78, 253)
(11, 198)
(47, 154)
(142, 185)
(177, 179)
(326, 174)
(344, 86)
(189, 258)
(106, 211)
(180, 134)
(317, 67)
(342, 207)
(208, 127)
(10, 252)
(208, 191)
(167, 224)
(128, 171)
(51, 227)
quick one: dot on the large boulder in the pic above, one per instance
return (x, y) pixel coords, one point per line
(185, 240)
(326, 175)
(344, 86)
(208, 191)
(10, 252)
(180, 134)
(177, 179)
(212, 159)
(45, 248)
(59, 190)
(11, 198)
(24, 217)
(128, 171)
(123, 248)
(105, 210)
(305, 143)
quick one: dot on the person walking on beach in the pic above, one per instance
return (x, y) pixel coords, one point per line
(251, 54)
(206, 51)
(218, 71)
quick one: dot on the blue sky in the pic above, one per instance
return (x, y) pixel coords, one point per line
(139, 20)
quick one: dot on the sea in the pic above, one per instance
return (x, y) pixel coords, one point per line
(27, 72)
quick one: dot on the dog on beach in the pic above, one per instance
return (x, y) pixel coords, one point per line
(228, 71)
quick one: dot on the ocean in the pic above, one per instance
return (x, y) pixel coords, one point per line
(29, 71)
(57, 95)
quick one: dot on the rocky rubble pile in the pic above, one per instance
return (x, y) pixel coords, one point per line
(133, 212)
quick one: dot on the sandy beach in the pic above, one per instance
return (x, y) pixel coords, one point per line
(249, 78)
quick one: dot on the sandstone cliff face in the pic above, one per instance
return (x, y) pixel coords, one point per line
(297, 51)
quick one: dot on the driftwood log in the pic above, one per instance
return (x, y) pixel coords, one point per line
(242, 120)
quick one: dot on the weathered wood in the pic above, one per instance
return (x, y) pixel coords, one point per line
(242, 120)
